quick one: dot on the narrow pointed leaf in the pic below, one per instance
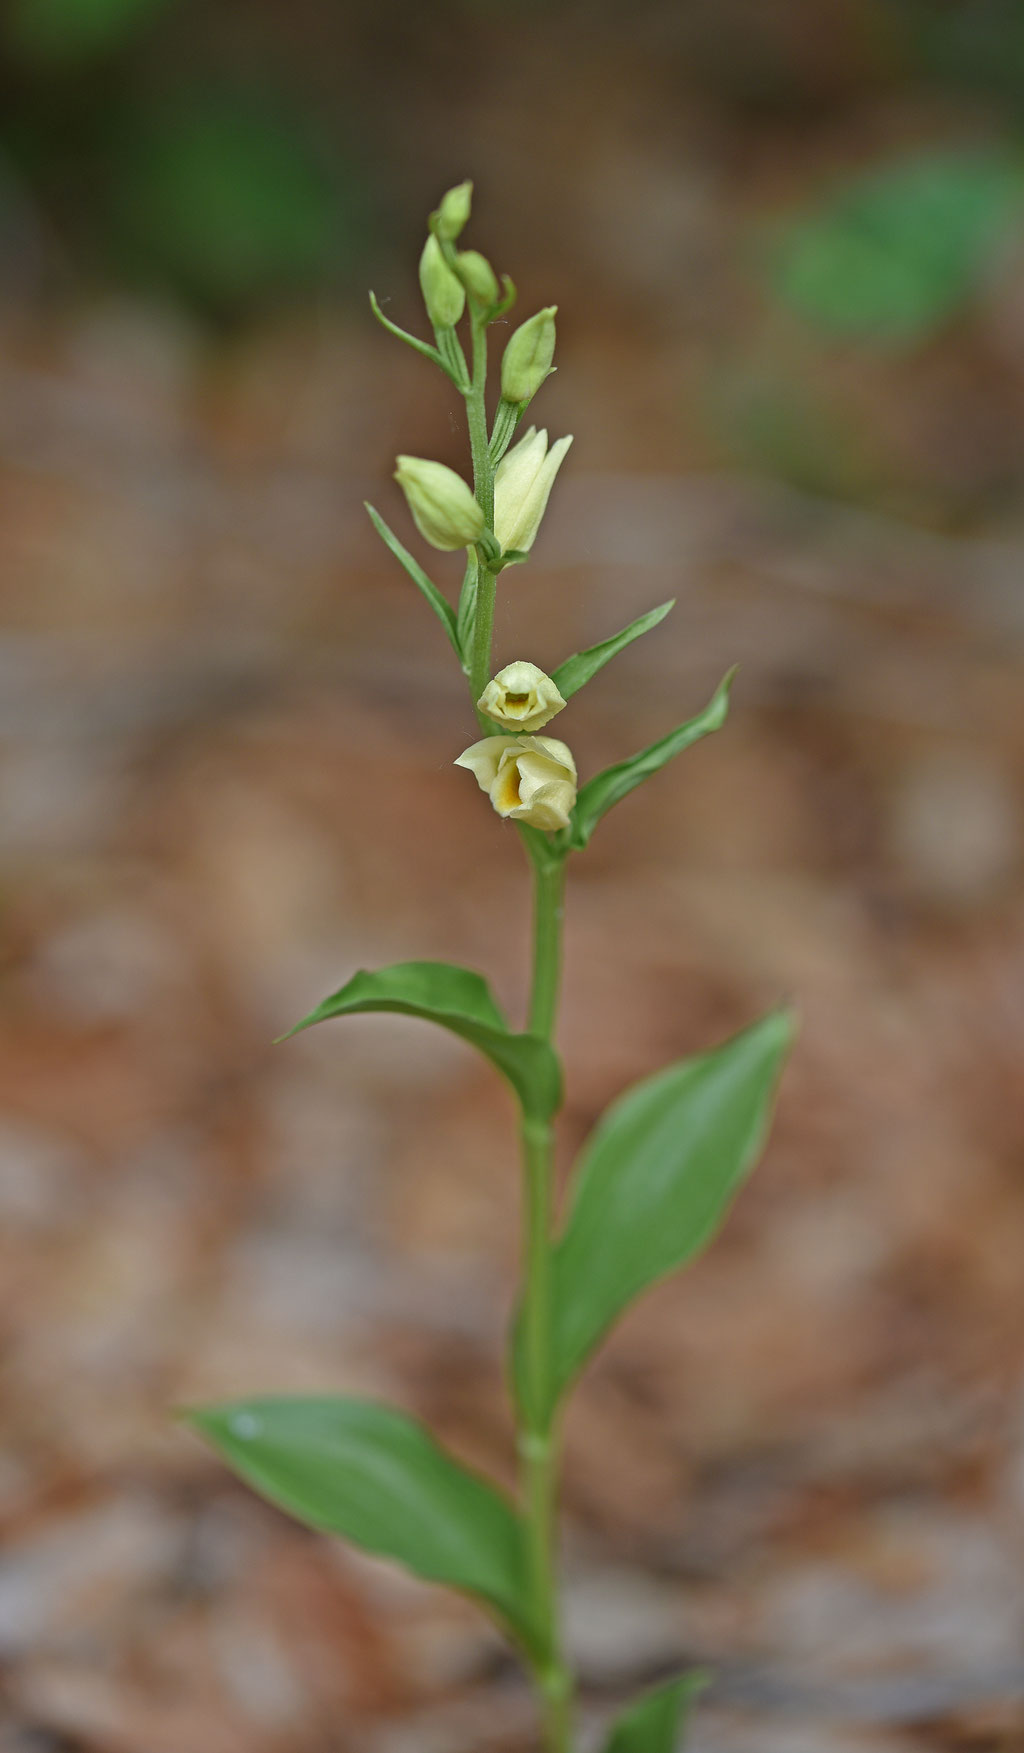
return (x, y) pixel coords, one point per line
(378, 1478)
(615, 783)
(577, 670)
(460, 1001)
(412, 341)
(655, 1724)
(441, 607)
(655, 1181)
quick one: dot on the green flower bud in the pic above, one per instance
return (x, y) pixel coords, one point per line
(443, 507)
(443, 292)
(453, 212)
(476, 273)
(527, 358)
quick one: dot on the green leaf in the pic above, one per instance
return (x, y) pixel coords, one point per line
(656, 1723)
(655, 1181)
(615, 783)
(897, 252)
(577, 670)
(442, 609)
(375, 1476)
(460, 1001)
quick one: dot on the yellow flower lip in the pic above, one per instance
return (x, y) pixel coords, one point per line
(521, 697)
(528, 779)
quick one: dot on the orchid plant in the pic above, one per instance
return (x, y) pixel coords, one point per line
(655, 1178)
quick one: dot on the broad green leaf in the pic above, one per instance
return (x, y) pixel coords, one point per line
(655, 1181)
(615, 783)
(375, 1476)
(897, 252)
(442, 609)
(655, 1724)
(577, 670)
(460, 1001)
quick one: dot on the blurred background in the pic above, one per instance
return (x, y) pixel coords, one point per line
(786, 238)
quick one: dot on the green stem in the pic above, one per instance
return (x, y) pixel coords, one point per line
(483, 630)
(538, 1434)
(476, 415)
(483, 487)
(548, 908)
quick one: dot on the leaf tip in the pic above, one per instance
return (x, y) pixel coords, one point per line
(780, 1027)
(197, 1416)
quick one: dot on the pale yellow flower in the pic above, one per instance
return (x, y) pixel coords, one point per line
(522, 482)
(528, 779)
(521, 697)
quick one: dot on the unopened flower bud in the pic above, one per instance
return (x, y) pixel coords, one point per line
(528, 779)
(527, 358)
(443, 292)
(443, 507)
(522, 482)
(521, 697)
(453, 212)
(478, 275)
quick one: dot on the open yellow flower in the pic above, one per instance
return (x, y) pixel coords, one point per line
(521, 697)
(522, 482)
(528, 779)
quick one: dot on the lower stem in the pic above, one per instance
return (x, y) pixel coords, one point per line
(538, 1433)
(483, 630)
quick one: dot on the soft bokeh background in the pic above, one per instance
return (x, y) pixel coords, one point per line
(787, 242)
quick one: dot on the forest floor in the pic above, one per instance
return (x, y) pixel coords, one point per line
(226, 733)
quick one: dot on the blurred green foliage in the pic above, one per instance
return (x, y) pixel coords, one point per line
(770, 417)
(236, 152)
(69, 32)
(975, 45)
(894, 253)
(229, 196)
